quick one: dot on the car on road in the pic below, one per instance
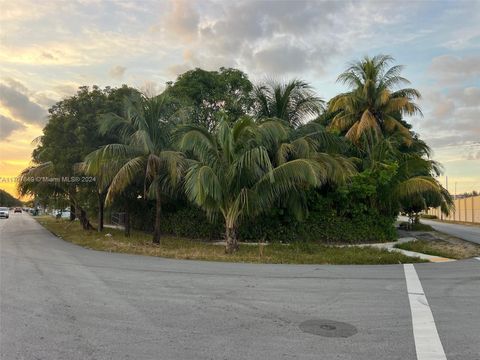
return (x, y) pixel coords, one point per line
(4, 212)
(17, 210)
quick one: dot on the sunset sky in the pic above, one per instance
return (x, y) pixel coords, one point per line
(49, 48)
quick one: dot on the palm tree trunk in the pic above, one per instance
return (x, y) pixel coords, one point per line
(101, 206)
(84, 219)
(231, 243)
(127, 223)
(72, 211)
(158, 216)
(73, 207)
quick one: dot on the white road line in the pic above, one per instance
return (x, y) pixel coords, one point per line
(427, 341)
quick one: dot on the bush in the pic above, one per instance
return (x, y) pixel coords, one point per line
(192, 223)
(326, 227)
(345, 215)
(427, 216)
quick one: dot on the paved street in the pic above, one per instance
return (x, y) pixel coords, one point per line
(60, 301)
(465, 232)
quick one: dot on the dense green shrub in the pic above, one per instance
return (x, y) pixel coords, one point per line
(324, 227)
(192, 223)
(347, 214)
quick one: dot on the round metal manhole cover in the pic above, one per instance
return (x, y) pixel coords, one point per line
(328, 328)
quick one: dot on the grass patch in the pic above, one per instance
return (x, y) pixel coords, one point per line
(435, 248)
(180, 248)
(415, 227)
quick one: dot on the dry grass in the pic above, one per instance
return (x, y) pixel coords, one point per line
(448, 247)
(179, 248)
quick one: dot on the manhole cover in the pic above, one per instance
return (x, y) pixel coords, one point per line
(328, 328)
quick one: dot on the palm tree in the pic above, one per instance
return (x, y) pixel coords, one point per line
(294, 101)
(373, 103)
(145, 152)
(231, 171)
(414, 183)
(43, 180)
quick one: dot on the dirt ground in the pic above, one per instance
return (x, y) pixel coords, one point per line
(461, 248)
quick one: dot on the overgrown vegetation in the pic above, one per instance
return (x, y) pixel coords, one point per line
(8, 200)
(182, 248)
(215, 156)
(415, 226)
(438, 248)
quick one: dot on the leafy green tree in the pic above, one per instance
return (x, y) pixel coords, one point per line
(231, 173)
(374, 102)
(8, 200)
(294, 102)
(145, 152)
(203, 94)
(70, 134)
(411, 182)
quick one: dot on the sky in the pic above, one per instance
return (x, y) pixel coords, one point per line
(50, 48)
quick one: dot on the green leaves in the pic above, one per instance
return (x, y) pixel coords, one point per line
(242, 169)
(294, 102)
(145, 152)
(372, 104)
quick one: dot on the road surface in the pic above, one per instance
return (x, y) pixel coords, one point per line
(61, 301)
(465, 232)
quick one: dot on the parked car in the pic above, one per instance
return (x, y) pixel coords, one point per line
(17, 210)
(4, 212)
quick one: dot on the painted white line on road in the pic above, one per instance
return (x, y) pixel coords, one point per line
(427, 341)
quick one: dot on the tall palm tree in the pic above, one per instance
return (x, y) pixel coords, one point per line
(294, 101)
(231, 172)
(145, 151)
(374, 101)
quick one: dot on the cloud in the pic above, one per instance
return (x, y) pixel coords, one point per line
(8, 126)
(66, 89)
(183, 20)
(292, 37)
(20, 106)
(452, 69)
(473, 156)
(451, 118)
(281, 58)
(117, 71)
(452, 107)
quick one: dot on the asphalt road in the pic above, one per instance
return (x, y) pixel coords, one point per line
(60, 301)
(465, 232)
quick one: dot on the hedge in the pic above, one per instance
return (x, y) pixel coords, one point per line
(323, 227)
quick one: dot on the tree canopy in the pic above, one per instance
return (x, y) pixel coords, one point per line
(214, 141)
